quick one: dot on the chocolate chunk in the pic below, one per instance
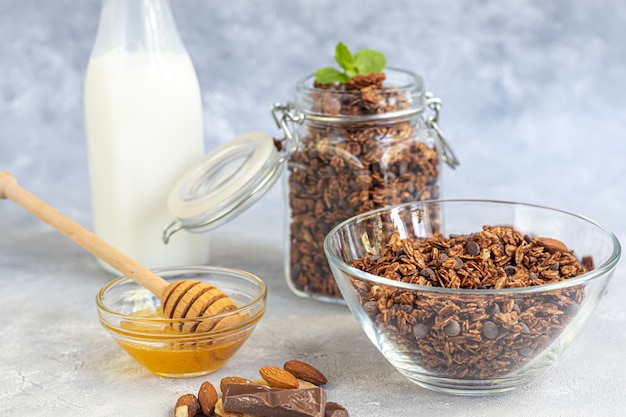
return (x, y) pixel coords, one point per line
(275, 402)
(335, 410)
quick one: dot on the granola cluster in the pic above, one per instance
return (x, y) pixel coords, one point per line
(472, 336)
(346, 168)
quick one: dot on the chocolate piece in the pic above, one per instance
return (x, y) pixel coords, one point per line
(274, 402)
(335, 410)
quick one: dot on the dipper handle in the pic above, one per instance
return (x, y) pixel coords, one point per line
(10, 189)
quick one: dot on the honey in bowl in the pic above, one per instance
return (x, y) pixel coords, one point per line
(182, 348)
(166, 351)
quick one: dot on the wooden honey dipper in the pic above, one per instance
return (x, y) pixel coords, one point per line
(180, 299)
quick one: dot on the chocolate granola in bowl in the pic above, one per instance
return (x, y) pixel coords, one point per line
(447, 332)
(460, 304)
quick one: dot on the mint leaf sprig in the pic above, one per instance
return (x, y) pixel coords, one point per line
(363, 62)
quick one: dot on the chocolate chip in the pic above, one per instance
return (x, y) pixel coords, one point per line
(502, 333)
(524, 327)
(572, 309)
(510, 270)
(472, 248)
(403, 307)
(459, 263)
(555, 266)
(426, 273)
(296, 268)
(490, 330)
(420, 330)
(527, 352)
(453, 328)
(371, 308)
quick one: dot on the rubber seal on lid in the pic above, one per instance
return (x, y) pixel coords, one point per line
(229, 180)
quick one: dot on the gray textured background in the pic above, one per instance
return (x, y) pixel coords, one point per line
(534, 106)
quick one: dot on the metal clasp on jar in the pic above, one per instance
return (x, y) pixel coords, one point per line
(287, 117)
(447, 154)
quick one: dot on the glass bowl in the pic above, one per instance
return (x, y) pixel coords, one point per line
(469, 341)
(133, 316)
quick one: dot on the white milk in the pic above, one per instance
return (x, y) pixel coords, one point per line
(144, 129)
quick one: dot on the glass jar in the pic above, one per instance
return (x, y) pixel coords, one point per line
(361, 146)
(347, 150)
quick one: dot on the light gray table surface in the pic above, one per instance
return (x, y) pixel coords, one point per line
(534, 107)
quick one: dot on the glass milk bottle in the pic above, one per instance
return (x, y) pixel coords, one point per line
(143, 117)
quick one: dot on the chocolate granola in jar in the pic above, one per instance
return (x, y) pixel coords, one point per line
(368, 143)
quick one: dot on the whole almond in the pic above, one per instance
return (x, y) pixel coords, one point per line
(278, 378)
(552, 245)
(233, 380)
(207, 397)
(186, 406)
(305, 372)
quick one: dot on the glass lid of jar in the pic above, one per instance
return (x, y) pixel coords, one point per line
(230, 179)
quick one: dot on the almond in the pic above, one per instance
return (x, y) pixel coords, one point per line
(207, 397)
(305, 372)
(186, 406)
(552, 245)
(233, 380)
(278, 378)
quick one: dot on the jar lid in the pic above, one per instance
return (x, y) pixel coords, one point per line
(229, 180)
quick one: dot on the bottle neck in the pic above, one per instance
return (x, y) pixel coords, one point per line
(137, 25)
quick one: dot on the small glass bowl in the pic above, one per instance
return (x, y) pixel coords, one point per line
(133, 316)
(468, 362)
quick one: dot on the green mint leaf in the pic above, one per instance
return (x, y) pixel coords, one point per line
(330, 75)
(361, 63)
(369, 60)
(343, 56)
